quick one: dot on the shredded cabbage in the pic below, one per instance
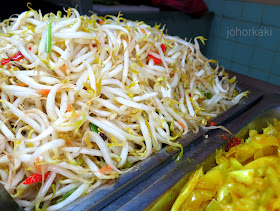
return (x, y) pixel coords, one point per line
(246, 177)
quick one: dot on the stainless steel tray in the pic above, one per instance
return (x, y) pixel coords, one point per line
(107, 193)
(161, 189)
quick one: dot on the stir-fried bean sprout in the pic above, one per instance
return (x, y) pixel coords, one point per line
(84, 98)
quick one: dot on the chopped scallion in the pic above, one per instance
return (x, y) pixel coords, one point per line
(65, 196)
(208, 95)
(169, 125)
(93, 127)
(59, 14)
(49, 36)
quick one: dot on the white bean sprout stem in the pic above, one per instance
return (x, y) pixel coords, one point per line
(84, 98)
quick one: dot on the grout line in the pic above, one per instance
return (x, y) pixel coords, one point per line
(238, 63)
(248, 21)
(274, 51)
(242, 43)
(238, 21)
(269, 2)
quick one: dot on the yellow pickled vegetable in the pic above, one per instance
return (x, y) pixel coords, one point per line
(247, 177)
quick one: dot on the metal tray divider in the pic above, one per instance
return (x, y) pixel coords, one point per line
(146, 194)
(108, 192)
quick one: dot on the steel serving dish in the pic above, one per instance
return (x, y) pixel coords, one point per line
(161, 189)
(107, 193)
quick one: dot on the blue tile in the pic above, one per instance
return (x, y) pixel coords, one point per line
(262, 59)
(242, 69)
(246, 33)
(211, 47)
(215, 25)
(252, 12)
(224, 62)
(206, 2)
(276, 64)
(259, 74)
(270, 39)
(242, 54)
(233, 9)
(225, 48)
(274, 79)
(216, 6)
(271, 15)
(228, 28)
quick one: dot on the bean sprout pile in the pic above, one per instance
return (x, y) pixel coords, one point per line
(84, 98)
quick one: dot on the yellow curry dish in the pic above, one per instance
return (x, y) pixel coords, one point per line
(246, 177)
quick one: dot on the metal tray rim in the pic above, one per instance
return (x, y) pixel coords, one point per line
(107, 193)
(173, 172)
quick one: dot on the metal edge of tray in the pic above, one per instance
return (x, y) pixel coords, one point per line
(108, 192)
(7, 203)
(148, 192)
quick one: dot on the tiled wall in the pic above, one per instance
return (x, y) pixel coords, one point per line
(245, 38)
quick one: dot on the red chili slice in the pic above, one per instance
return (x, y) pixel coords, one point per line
(5, 61)
(235, 141)
(35, 178)
(163, 48)
(156, 60)
(211, 123)
(17, 57)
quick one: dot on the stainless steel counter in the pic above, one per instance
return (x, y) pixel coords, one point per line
(137, 186)
(160, 190)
